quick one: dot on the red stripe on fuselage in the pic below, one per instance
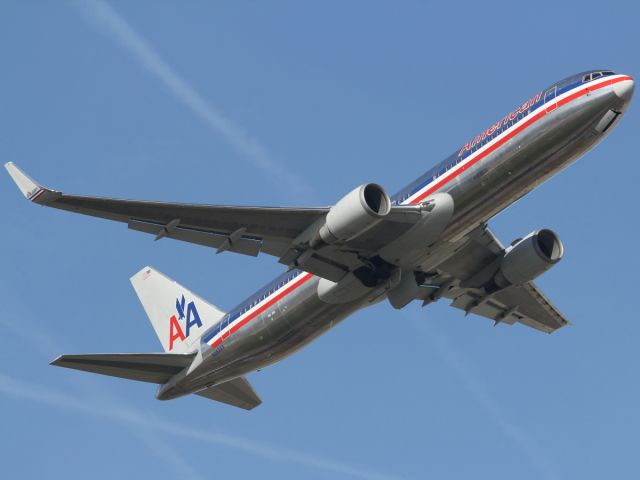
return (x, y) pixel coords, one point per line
(513, 133)
(241, 323)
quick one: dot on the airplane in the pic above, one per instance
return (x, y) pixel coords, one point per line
(429, 241)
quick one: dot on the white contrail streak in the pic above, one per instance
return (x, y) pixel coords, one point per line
(455, 361)
(133, 418)
(44, 343)
(108, 20)
(145, 426)
(166, 453)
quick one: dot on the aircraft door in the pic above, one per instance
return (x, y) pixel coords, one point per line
(550, 99)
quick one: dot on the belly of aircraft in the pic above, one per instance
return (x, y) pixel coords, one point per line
(278, 333)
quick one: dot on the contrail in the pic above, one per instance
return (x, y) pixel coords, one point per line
(145, 426)
(167, 453)
(454, 360)
(28, 391)
(44, 343)
(108, 20)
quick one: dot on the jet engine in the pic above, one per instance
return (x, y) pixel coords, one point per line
(355, 213)
(528, 258)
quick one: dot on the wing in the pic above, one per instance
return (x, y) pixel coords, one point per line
(524, 304)
(244, 230)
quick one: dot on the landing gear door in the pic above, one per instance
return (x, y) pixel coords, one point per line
(550, 99)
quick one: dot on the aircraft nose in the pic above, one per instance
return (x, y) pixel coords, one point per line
(624, 89)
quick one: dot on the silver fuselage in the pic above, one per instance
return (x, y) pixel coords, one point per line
(288, 313)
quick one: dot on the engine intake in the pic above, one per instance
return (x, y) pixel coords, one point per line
(355, 213)
(529, 258)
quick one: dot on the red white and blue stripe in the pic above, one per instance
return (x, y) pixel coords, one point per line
(238, 318)
(454, 165)
(34, 195)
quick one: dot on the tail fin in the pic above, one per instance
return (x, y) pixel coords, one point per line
(178, 316)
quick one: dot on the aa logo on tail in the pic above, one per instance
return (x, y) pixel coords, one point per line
(191, 317)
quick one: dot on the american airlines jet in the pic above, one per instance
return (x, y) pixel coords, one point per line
(429, 241)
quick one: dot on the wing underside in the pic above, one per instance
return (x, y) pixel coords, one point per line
(243, 230)
(525, 304)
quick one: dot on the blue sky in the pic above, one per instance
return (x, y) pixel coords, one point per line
(296, 103)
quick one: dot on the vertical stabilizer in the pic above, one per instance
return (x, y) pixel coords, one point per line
(178, 316)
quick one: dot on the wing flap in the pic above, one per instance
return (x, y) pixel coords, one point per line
(143, 367)
(259, 221)
(237, 392)
(523, 304)
(245, 246)
(533, 307)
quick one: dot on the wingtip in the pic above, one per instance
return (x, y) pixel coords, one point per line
(29, 187)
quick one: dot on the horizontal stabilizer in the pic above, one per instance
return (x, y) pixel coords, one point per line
(237, 392)
(144, 367)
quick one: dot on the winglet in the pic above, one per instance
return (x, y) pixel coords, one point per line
(29, 188)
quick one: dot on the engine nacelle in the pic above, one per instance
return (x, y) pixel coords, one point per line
(530, 257)
(355, 213)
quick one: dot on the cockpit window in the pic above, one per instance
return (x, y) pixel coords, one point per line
(592, 76)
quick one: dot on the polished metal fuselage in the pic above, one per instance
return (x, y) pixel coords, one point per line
(479, 192)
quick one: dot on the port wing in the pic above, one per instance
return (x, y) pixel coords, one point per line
(245, 230)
